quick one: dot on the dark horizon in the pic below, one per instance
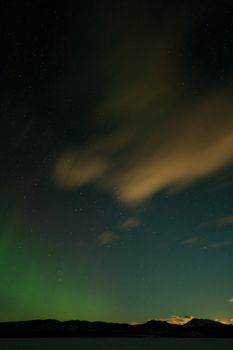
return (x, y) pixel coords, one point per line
(174, 320)
(195, 328)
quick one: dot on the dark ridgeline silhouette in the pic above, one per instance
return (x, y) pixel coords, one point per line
(196, 328)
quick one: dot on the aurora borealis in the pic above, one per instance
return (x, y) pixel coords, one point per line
(116, 160)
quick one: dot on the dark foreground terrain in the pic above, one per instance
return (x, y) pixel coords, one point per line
(196, 328)
(132, 343)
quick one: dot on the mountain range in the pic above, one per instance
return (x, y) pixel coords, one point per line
(196, 328)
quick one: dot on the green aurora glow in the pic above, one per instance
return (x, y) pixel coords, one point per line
(32, 294)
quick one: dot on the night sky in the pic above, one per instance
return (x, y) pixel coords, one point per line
(116, 156)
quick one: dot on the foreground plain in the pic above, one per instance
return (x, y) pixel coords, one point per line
(115, 344)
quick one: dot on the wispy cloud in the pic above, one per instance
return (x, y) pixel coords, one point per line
(76, 168)
(191, 241)
(226, 321)
(180, 320)
(164, 136)
(174, 319)
(106, 237)
(130, 223)
(203, 242)
(226, 220)
(219, 245)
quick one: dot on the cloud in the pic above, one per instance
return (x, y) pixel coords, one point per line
(230, 300)
(180, 320)
(162, 135)
(226, 321)
(203, 242)
(106, 237)
(191, 241)
(226, 220)
(130, 223)
(219, 245)
(134, 323)
(174, 319)
(177, 157)
(75, 168)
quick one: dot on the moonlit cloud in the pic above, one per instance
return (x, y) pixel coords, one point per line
(75, 168)
(180, 320)
(174, 319)
(165, 137)
(227, 321)
(130, 223)
(219, 245)
(191, 241)
(226, 220)
(106, 237)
